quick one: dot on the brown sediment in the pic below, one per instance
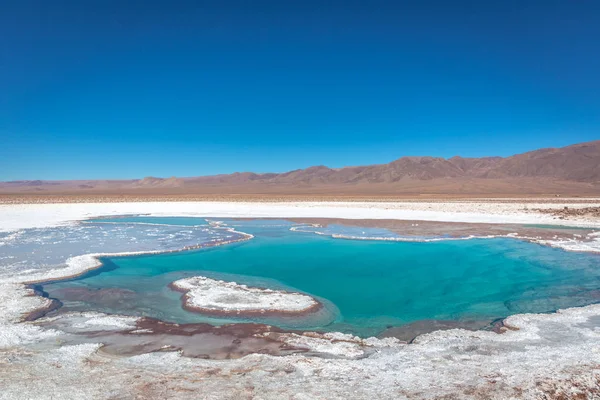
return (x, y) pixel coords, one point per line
(241, 330)
(203, 340)
(565, 212)
(106, 296)
(197, 340)
(51, 305)
(245, 313)
(370, 194)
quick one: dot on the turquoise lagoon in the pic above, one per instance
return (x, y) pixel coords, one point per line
(366, 286)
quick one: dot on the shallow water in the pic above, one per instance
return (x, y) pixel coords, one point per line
(366, 286)
(36, 250)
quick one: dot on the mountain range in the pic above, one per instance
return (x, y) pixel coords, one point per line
(573, 169)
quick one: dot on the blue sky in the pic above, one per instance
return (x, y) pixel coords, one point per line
(123, 89)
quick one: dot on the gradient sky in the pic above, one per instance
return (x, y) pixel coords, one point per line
(124, 89)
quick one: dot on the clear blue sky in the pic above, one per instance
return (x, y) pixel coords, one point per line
(123, 89)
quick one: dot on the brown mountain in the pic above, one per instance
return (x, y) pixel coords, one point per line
(151, 182)
(573, 169)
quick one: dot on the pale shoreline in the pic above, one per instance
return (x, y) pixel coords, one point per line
(22, 216)
(529, 326)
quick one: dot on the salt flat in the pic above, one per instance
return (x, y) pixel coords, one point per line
(457, 363)
(20, 216)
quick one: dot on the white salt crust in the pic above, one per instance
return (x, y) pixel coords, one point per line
(21, 216)
(210, 295)
(542, 356)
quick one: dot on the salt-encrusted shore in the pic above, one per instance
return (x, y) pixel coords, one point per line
(22, 216)
(79, 265)
(443, 364)
(215, 297)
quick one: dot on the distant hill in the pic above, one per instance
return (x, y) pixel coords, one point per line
(573, 169)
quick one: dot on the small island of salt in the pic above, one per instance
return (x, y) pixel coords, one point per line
(210, 296)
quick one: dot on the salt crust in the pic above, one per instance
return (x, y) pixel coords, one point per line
(454, 362)
(20, 216)
(209, 295)
(543, 356)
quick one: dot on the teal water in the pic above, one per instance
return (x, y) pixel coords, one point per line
(366, 285)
